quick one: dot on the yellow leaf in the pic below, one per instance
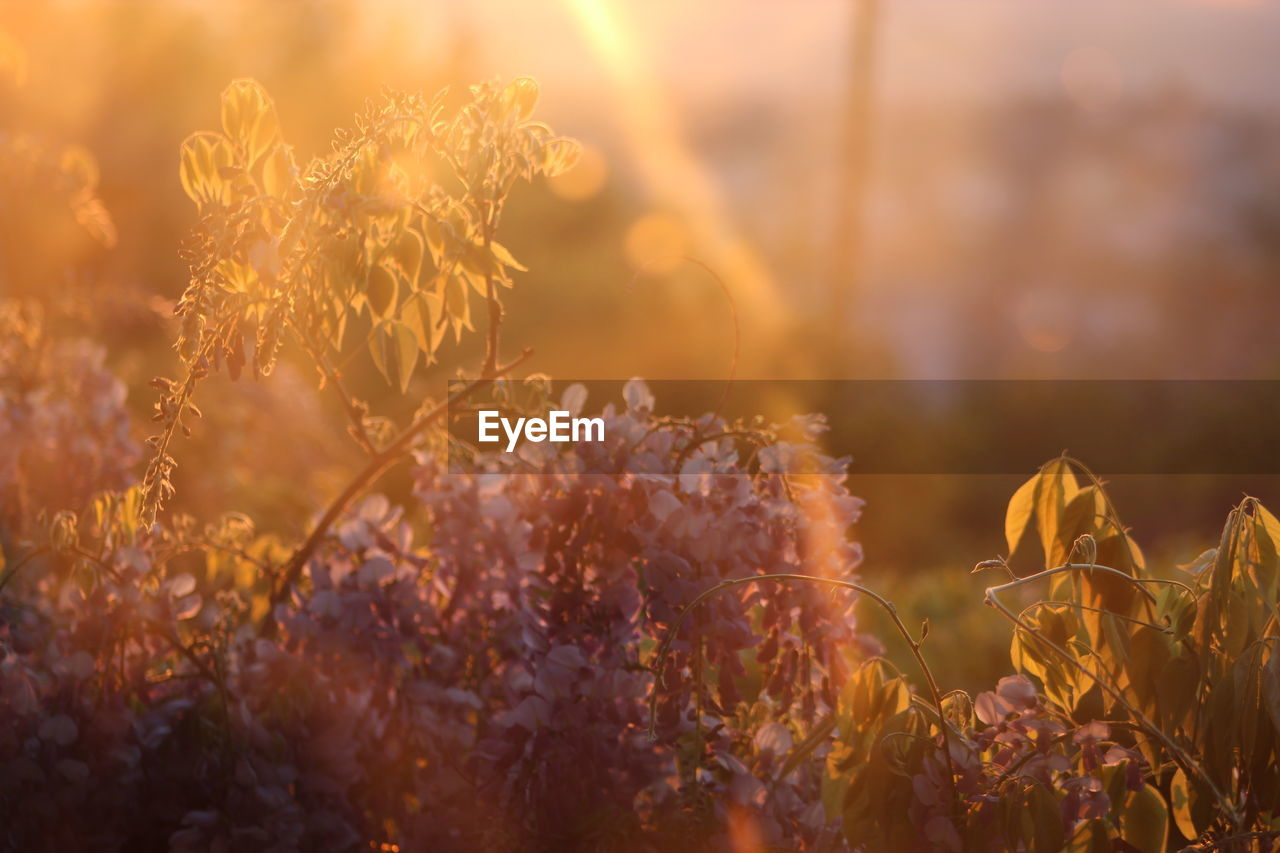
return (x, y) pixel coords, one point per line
(503, 256)
(203, 157)
(1018, 515)
(407, 251)
(279, 173)
(521, 96)
(249, 118)
(559, 156)
(405, 345)
(1057, 487)
(382, 291)
(421, 313)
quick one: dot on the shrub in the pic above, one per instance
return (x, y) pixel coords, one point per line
(645, 643)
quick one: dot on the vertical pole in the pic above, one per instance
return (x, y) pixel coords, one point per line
(849, 232)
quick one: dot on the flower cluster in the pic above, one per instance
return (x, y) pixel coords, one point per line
(64, 429)
(471, 671)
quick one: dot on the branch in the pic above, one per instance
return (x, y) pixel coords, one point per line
(19, 563)
(491, 297)
(377, 464)
(355, 412)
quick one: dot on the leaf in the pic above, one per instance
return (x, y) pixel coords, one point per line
(458, 305)
(1057, 623)
(1144, 819)
(1269, 523)
(405, 344)
(379, 353)
(559, 156)
(407, 252)
(1091, 837)
(382, 290)
(1018, 515)
(503, 256)
(1057, 487)
(1046, 817)
(200, 161)
(420, 313)
(1188, 809)
(1082, 515)
(249, 118)
(1030, 818)
(521, 96)
(1271, 689)
(279, 172)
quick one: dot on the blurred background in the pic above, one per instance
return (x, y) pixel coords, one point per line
(907, 189)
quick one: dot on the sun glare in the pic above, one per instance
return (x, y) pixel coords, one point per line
(670, 171)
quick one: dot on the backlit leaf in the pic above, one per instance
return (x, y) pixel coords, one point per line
(405, 344)
(249, 118)
(1144, 819)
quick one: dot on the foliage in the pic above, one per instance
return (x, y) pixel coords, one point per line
(473, 666)
(645, 643)
(397, 225)
(1153, 713)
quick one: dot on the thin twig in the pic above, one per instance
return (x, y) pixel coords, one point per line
(26, 558)
(1180, 755)
(333, 378)
(377, 464)
(1222, 843)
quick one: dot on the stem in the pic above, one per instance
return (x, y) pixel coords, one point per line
(377, 464)
(491, 296)
(1222, 843)
(26, 558)
(1180, 755)
(334, 379)
(885, 604)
